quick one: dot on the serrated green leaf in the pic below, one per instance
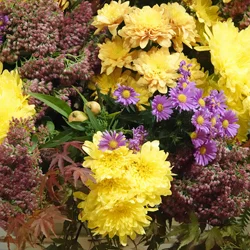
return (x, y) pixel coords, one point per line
(55, 103)
(193, 232)
(212, 237)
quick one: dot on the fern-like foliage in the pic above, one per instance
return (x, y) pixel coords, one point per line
(244, 219)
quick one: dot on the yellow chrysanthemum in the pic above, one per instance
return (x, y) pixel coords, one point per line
(146, 24)
(64, 4)
(127, 184)
(205, 11)
(152, 173)
(111, 15)
(109, 83)
(158, 69)
(183, 25)
(228, 48)
(115, 54)
(13, 103)
(124, 218)
(106, 164)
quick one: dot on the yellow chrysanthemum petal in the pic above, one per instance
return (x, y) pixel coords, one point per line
(13, 103)
(158, 69)
(111, 15)
(144, 25)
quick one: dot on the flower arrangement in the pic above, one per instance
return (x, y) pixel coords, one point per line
(126, 120)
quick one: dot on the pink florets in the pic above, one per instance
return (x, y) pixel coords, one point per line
(215, 192)
(19, 172)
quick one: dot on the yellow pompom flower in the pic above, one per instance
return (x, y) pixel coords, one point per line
(158, 69)
(205, 11)
(152, 173)
(109, 83)
(182, 24)
(13, 103)
(111, 15)
(128, 185)
(124, 218)
(115, 54)
(146, 24)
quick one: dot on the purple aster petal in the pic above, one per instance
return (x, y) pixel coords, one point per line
(161, 107)
(229, 127)
(215, 102)
(205, 153)
(111, 140)
(201, 120)
(126, 95)
(139, 136)
(182, 99)
(199, 100)
(199, 137)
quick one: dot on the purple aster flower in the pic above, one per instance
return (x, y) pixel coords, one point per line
(201, 120)
(185, 73)
(205, 153)
(3, 23)
(139, 135)
(199, 100)
(228, 121)
(161, 107)
(182, 99)
(198, 138)
(216, 102)
(111, 140)
(126, 95)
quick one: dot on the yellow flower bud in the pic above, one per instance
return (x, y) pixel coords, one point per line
(94, 107)
(77, 116)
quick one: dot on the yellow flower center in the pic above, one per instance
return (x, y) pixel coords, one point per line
(225, 124)
(182, 98)
(200, 120)
(201, 102)
(159, 107)
(213, 121)
(113, 144)
(184, 85)
(126, 94)
(203, 150)
(1, 23)
(193, 135)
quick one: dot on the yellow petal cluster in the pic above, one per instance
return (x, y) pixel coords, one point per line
(114, 53)
(228, 48)
(158, 69)
(109, 83)
(146, 24)
(182, 24)
(205, 11)
(128, 185)
(111, 15)
(64, 4)
(13, 103)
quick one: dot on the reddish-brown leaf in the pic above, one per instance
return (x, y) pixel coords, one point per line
(78, 173)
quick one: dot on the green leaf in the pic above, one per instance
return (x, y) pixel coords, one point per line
(64, 136)
(51, 126)
(212, 237)
(55, 103)
(192, 232)
(75, 125)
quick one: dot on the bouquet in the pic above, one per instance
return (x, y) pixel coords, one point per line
(128, 121)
